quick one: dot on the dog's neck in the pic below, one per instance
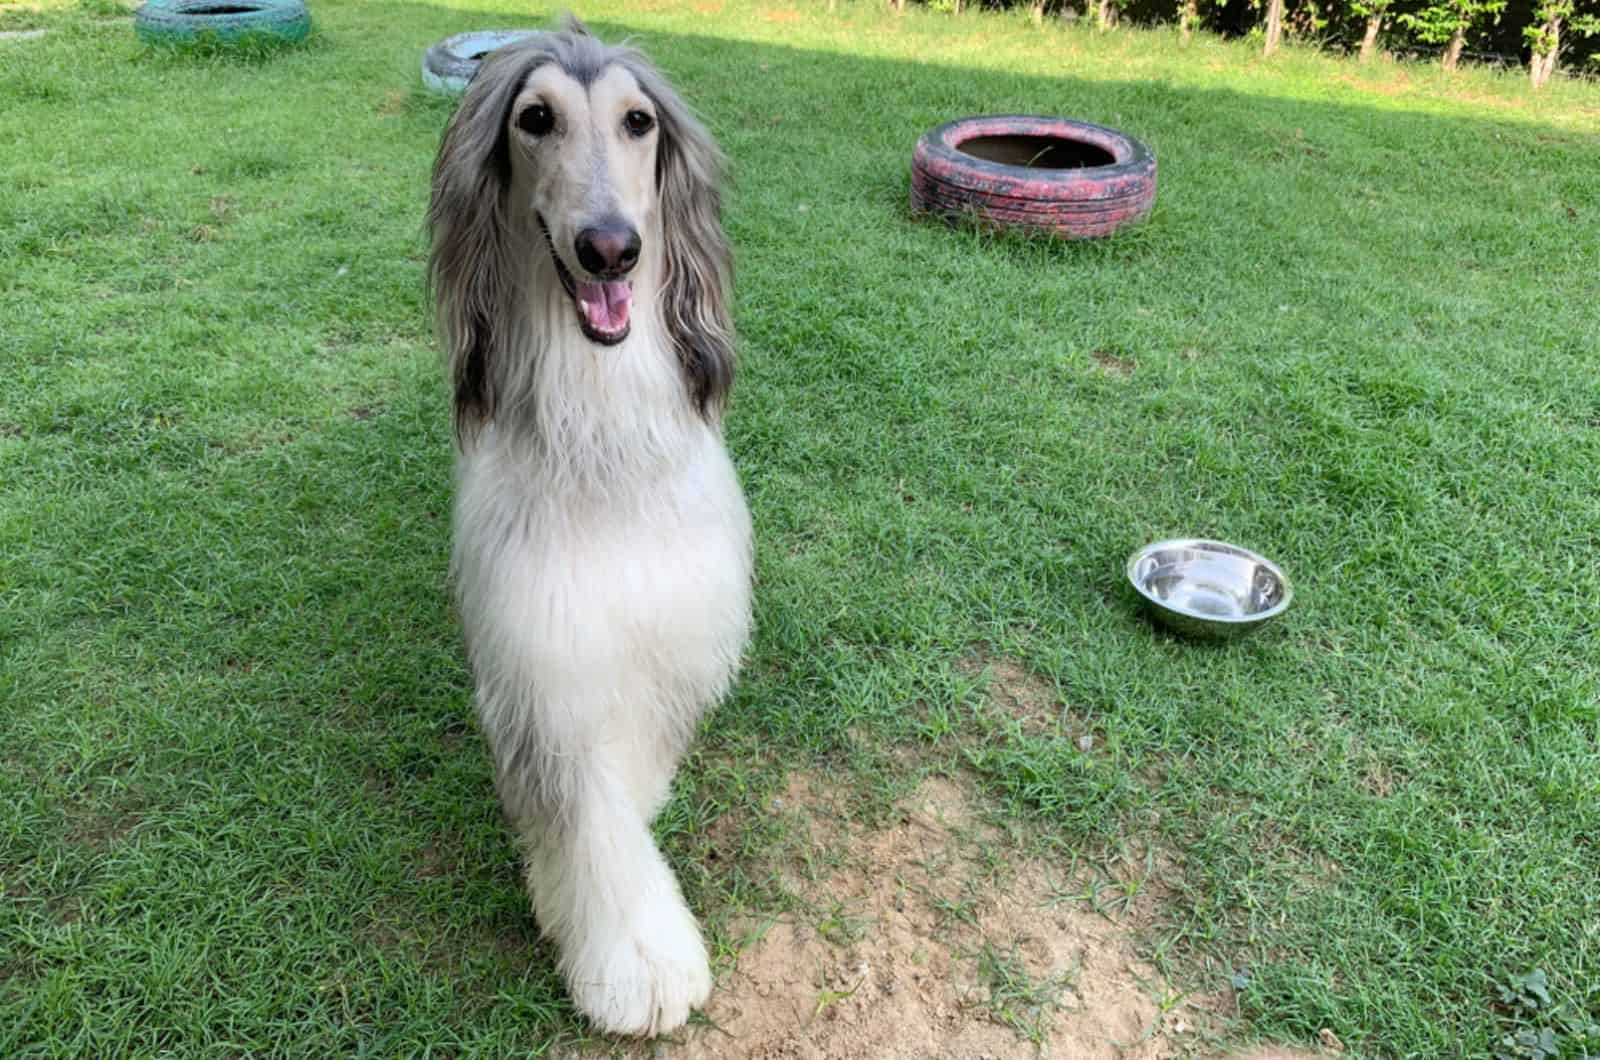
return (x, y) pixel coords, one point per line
(583, 415)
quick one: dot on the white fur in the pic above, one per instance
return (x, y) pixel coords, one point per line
(603, 568)
(602, 552)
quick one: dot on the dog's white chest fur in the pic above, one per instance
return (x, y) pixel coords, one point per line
(605, 603)
(605, 563)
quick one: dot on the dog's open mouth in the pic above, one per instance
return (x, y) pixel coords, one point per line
(602, 304)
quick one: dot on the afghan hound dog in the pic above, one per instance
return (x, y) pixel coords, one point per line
(602, 550)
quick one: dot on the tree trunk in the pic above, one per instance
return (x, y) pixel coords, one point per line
(1105, 15)
(1188, 15)
(1542, 64)
(1274, 27)
(1369, 43)
(1452, 51)
(1038, 12)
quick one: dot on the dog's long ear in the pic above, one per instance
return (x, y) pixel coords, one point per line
(469, 269)
(698, 276)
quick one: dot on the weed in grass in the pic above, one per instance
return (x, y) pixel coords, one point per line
(842, 926)
(1016, 998)
(1539, 1027)
(829, 994)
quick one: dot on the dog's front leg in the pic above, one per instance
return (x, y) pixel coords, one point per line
(631, 952)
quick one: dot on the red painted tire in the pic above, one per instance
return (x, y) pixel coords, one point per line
(1066, 178)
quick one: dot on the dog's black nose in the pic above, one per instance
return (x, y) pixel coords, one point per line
(608, 249)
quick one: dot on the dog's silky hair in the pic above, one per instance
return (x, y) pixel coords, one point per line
(473, 271)
(602, 551)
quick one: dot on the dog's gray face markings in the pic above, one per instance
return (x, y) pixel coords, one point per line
(582, 147)
(615, 153)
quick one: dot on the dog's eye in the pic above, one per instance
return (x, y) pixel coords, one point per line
(638, 122)
(536, 120)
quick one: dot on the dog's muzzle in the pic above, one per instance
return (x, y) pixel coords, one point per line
(603, 304)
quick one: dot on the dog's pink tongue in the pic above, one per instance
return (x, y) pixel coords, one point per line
(606, 304)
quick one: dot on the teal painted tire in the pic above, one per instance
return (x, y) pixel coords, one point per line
(177, 21)
(448, 65)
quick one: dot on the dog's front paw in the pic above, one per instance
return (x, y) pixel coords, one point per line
(645, 981)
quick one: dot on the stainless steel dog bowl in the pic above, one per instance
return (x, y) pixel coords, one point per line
(1209, 588)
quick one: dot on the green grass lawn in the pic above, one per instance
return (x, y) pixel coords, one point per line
(243, 807)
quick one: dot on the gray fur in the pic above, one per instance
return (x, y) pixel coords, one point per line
(476, 247)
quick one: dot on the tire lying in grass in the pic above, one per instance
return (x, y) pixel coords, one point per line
(1066, 178)
(450, 64)
(227, 21)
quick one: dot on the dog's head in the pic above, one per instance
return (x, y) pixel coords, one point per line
(579, 152)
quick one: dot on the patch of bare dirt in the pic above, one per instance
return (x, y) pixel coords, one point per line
(934, 936)
(394, 103)
(1379, 780)
(1016, 690)
(1028, 697)
(1114, 365)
